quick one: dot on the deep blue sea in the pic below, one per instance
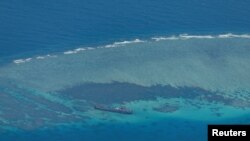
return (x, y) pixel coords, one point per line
(178, 64)
(50, 26)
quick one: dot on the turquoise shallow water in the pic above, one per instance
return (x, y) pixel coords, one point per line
(172, 129)
(175, 85)
(178, 65)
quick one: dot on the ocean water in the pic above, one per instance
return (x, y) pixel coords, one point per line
(179, 65)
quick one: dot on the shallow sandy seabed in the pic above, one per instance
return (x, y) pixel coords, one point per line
(157, 79)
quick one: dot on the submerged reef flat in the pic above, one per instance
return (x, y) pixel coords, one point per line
(166, 108)
(23, 109)
(216, 64)
(150, 77)
(122, 70)
(76, 104)
(116, 92)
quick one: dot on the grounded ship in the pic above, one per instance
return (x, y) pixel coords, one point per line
(121, 110)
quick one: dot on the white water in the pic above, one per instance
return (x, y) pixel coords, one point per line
(123, 43)
(219, 64)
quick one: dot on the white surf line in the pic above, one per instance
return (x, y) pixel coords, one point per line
(230, 35)
(165, 38)
(78, 50)
(117, 44)
(19, 61)
(74, 51)
(187, 36)
(123, 43)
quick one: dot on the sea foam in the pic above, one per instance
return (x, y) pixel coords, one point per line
(126, 42)
(19, 61)
(116, 44)
(187, 36)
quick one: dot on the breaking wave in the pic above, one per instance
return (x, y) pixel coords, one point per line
(126, 42)
(78, 50)
(19, 61)
(187, 36)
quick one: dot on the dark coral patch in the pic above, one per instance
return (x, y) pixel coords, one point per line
(116, 92)
(166, 108)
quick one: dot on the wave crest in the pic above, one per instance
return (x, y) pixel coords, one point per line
(123, 43)
(116, 44)
(187, 36)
